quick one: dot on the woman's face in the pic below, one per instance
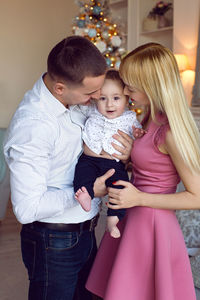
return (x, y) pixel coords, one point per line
(137, 97)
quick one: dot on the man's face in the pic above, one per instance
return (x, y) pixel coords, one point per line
(90, 89)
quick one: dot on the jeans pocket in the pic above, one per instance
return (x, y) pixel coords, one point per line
(29, 255)
(63, 240)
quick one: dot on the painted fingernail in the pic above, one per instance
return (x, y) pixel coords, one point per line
(106, 203)
(114, 182)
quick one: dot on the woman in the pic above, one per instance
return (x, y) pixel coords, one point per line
(150, 261)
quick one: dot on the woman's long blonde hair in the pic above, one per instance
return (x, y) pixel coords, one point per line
(152, 69)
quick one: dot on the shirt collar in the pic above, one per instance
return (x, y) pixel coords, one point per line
(74, 107)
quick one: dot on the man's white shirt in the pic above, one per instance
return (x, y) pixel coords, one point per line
(42, 146)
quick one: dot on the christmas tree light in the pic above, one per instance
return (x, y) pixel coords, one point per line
(94, 22)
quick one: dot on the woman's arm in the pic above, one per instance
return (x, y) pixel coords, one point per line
(188, 199)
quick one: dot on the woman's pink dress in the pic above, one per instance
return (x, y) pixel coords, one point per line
(149, 261)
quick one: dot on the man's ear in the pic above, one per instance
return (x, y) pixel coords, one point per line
(59, 88)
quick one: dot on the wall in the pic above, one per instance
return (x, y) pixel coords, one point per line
(186, 22)
(28, 31)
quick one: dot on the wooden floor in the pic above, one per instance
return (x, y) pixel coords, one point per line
(13, 277)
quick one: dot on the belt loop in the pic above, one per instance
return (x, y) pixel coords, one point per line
(93, 222)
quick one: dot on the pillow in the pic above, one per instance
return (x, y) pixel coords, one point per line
(189, 221)
(195, 265)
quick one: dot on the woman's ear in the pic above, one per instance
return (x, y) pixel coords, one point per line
(127, 101)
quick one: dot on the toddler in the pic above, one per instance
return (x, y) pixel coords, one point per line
(108, 114)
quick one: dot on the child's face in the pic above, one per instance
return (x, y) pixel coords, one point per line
(112, 102)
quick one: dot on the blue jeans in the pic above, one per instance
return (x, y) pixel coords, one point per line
(58, 262)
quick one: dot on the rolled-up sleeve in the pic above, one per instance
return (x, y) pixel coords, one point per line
(28, 152)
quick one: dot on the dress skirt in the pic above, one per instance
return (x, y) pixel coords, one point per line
(148, 262)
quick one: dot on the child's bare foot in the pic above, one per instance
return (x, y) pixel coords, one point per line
(115, 233)
(111, 226)
(83, 198)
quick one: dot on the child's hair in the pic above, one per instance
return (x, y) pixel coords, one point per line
(152, 69)
(114, 75)
(74, 58)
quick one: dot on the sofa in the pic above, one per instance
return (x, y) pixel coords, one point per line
(4, 179)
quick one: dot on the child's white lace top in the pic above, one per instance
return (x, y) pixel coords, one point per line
(98, 130)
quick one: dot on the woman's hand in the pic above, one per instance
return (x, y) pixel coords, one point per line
(127, 143)
(127, 197)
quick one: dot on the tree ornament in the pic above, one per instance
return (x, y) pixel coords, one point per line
(105, 34)
(121, 50)
(116, 41)
(95, 23)
(98, 24)
(81, 23)
(79, 31)
(108, 61)
(96, 10)
(92, 32)
(87, 19)
(101, 46)
(117, 64)
(110, 49)
(82, 10)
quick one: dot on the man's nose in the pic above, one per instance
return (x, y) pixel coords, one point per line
(96, 95)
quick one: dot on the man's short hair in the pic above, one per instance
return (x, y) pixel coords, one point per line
(74, 58)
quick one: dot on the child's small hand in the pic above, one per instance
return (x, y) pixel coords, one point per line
(138, 132)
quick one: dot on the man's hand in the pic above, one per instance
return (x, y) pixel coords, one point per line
(127, 143)
(100, 188)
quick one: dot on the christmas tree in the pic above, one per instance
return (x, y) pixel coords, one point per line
(95, 23)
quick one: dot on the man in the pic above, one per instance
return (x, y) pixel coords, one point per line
(42, 146)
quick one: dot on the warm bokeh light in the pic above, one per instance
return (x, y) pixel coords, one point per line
(182, 61)
(187, 78)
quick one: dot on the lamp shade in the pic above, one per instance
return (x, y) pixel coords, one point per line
(182, 62)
